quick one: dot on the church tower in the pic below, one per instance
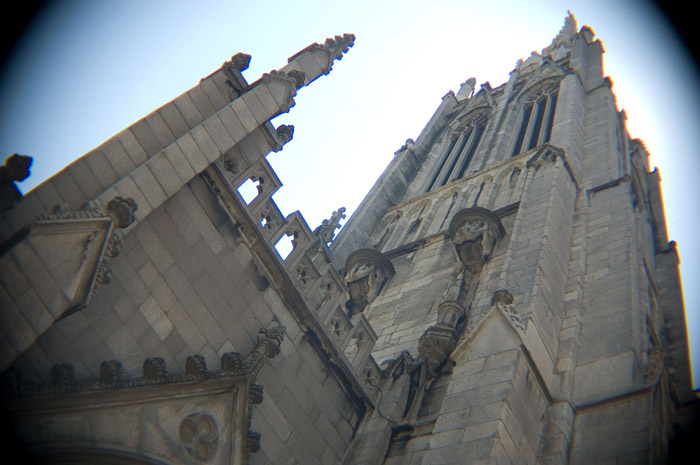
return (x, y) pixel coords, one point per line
(532, 312)
(506, 292)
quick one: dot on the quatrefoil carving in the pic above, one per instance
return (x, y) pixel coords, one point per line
(200, 436)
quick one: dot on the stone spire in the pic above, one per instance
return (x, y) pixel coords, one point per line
(564, 38)
(568, 31)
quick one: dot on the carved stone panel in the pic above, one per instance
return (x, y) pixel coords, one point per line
(199, 436)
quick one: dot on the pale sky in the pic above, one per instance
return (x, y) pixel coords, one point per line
(85, 70)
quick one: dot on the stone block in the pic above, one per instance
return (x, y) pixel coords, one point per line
(16, 328)
(205, 143)
(204, 320)
(604, 377)
(256, 108)
(188, 110)
(145, 137)
(146, 182)
(85, 179)
(165, 174)
(218, 134)
(68, 189)
(177, 160)
(39, 279)
(132, 146)
(215, 97)
(243, 113)
(11, 277)
(127, 350)
(174, 343)
(275, 418)
(117, 157)
(266, 99)
(201, 102)
(157, 286)
(155, 316)
(192, 153)
(232, 124)
(173, 119)
(160, 129)
(189, 331)
(127, 188)
(154, 247)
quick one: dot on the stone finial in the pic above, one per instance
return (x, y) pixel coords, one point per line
(564, 38)
(466, 89)
(503, 300)
(340, 44)
(298, 77)
(15, 169)
(407, 146)
(122, 211)
(284, 133)
(326, 230)
(240, 61)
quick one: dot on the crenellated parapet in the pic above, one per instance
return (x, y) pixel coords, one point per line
(331, 303)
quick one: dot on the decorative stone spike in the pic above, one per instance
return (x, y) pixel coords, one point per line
(326, 230)
(340, 44)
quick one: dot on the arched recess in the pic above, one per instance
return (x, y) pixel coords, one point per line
(465, 136)
(536, 106)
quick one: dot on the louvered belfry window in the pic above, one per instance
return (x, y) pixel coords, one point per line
(459, 153)
(536, 121)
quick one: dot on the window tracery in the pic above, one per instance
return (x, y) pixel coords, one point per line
(536, 120)
(460, 152)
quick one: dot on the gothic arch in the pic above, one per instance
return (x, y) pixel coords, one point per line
(464, 138)
(535, 110)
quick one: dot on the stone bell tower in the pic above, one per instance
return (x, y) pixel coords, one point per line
(514, 264)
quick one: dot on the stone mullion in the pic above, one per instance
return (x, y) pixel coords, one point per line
(447, 167)
(455, 173)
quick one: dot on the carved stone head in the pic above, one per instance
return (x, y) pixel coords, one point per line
(474, 232)
(367, 270)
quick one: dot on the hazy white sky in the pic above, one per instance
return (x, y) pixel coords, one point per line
(85, 70)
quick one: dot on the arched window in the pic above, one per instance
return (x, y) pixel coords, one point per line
(459, 153)
(536, 121)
